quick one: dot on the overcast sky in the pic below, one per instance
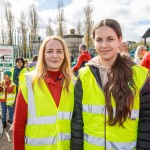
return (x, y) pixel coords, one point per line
(133, 15)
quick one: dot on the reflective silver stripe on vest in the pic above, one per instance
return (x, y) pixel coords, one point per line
(95, 109)
(49, 119)
(64, 136)
(10, 95)
(31, 105)
(109, 145)
(64, 115)
(42, 120)
(47, 141)
(94, 140)
(40, 141)
(134, 114)
(10, 101)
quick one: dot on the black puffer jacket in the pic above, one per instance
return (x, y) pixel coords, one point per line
(143, 141)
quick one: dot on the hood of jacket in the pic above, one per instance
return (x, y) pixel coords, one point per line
(86, 56)
(102, 70)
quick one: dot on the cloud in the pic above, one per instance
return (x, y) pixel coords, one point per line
(131, 14)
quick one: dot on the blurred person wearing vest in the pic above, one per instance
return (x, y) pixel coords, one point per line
(32, 64)
(45, 101)
(7, 97)
(112, 97)
(18, 70)
(26, 64)
(83, 58)
(145, 62)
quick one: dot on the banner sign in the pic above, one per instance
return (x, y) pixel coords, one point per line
(6, 57)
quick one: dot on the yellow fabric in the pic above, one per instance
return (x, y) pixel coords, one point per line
(94, 123)
(10, 96)
(32, 68)
(45, 106)
(24, 70)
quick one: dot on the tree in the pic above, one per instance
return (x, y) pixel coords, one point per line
(88, 23)
(49, 30)
(33, 25)
(23, 29)
(2, 36)
(10, 22)
(79, 27)
(135, 45)
(61, 19)
(2, 33)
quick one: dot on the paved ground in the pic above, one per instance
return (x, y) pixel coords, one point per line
(6, 141)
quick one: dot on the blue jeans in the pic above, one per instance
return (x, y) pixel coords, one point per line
(4, 112)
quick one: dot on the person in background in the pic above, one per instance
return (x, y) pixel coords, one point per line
(123, 48)
(83, 58)
(112, 97)
(45, 101)
(26, 64)
(139, 54)
(17, 71)
(71, 59)
(91, 51)
(32, 64)
(145, 62)
(7, 98)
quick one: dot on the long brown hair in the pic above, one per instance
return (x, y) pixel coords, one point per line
(41, 68)
(120, 81)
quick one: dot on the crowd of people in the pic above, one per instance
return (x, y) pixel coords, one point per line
(9, 88)
(101, 103)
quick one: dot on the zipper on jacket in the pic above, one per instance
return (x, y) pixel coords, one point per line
(104, 118)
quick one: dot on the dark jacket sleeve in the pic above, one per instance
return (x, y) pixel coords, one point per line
(77, 120)
(143, 141)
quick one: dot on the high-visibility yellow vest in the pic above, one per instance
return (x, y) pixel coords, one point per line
(32, 68)
(97, 134)
(10, 96)
(48, 127)
(24, 70)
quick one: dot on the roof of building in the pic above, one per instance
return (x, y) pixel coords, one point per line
(146, 34)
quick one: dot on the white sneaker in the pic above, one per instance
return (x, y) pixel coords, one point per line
(11, 127)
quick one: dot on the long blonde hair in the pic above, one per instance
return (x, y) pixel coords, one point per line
(137, 53)
(41, 68)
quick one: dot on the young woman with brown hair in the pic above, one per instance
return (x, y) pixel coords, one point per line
(112, 96)
(45, 101)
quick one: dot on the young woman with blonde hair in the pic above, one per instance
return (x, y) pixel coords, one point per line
(45, 101)
(139, 54)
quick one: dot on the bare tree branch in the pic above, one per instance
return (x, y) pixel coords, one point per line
(10, 21)
(88, 23)
(23, 29)
(33, 25)
(79, 27)
(61, 30)
(49, 30)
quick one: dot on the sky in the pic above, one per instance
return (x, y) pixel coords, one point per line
(133, 15)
